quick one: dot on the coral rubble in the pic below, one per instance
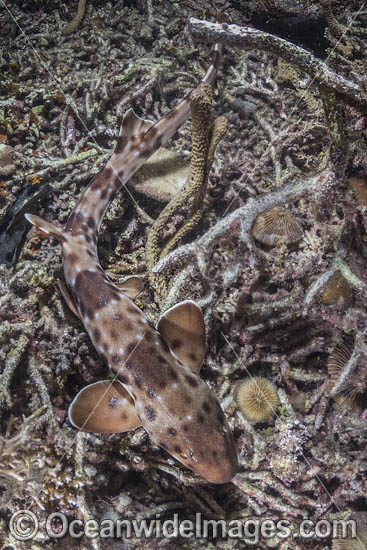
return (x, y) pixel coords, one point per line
(295, 142)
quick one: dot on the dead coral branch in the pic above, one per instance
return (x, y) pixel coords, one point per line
(247, 37)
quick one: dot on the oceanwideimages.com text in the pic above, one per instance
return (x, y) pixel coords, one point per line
(24, 525)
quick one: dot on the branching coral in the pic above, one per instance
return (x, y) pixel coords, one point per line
(264, 307)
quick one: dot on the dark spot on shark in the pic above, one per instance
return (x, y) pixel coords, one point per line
(206, 407)
(115, 359)
(162, 384)
(151, 393)
(137, 381)
(191, 381)
(186, 428)
(177, 449)
(97, 335)
(113, 334)
(172, 373)
(172, 432)
(200, 418)
(133, 311)
(91, 222)
(150, 413)
(124, 379)
(175, 344)
(164, 343)
(193, 357)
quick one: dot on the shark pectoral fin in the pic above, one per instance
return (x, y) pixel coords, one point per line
(132, 126)
(182, 327)
(104, 407)
(132, 286)
(46, 227)
(65, 294)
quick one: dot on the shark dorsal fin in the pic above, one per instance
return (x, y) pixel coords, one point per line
(132, 130)
(182, 327)
(132, 286)
(104, 407)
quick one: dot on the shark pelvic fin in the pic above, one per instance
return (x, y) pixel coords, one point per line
(46, 227)
(104, 407)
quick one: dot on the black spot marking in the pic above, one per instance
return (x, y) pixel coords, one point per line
(127, 326)
(116, 316)
(176, 344)
(90, 254)
(115, 359)
(163, 444)
(128, 365)
(107, 173)
(149, 336)
(172, 373)
(150, 413)
(114, 334)
(177, 449)
(193, 357)
(187, 398)
(200, 418)
(151, 325)
(215, 453)
(172, 432)
(104, 194)
(151, 393)
(164, 343)
(186, 427)
(191, 381)
(137, 381)
(220, 418)
(82, 309)
(97, 335)
(91, 222)
(162, 384)
(90, 313)
(206, 407)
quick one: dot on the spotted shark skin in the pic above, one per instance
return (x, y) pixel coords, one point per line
(156, 370)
